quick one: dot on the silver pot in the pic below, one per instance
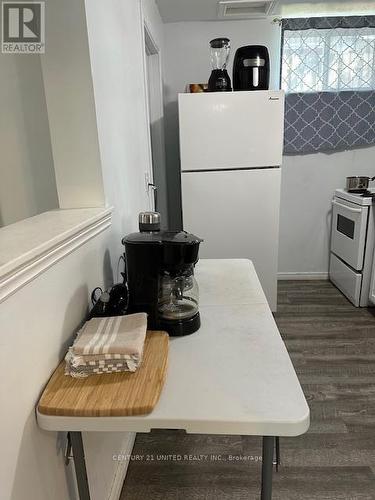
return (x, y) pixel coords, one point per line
(358, 184)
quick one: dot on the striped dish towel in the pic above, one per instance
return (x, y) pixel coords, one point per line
(107, 345)
(112, 335)
(84, 369)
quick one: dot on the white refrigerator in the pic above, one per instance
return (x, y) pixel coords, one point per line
(231, 151)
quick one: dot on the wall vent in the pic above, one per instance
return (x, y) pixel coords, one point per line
(245, 9)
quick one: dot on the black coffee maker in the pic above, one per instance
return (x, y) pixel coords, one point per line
(160, 276)
(251, 68)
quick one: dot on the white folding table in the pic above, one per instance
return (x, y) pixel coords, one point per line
(233, 376)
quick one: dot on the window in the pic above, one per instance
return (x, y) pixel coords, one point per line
(328, 73)
(333, 59)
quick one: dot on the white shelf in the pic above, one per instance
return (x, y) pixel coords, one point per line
(29, 247)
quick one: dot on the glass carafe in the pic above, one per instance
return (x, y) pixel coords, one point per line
(219, 80)
(178, 295)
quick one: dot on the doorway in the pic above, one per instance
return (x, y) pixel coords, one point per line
(155, 112)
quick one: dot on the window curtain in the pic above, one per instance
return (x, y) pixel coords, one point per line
(328, 73)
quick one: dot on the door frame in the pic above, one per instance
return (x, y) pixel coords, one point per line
(155, 112)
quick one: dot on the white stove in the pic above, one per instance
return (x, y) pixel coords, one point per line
(352, 244)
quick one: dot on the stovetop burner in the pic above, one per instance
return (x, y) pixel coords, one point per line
(364, 199)
(364, 193)
(368, 194)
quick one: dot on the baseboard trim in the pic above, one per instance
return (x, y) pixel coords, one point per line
(122, 468)
(302, 276)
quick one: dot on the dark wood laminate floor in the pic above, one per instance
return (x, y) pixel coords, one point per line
(332, 346)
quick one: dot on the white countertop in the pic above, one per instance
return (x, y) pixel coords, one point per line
(233, 376)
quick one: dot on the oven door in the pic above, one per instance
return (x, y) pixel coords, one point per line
(349, 228)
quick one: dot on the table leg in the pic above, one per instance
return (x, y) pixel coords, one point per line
(80, 465)
(267, 466)
(277, 447)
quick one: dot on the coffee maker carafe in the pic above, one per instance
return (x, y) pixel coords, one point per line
(160, 276)
(251, 68)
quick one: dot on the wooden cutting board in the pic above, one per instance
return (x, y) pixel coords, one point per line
(110, 394)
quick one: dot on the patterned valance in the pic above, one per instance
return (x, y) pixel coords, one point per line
(305, 23)
(328, 121)
(328, 73)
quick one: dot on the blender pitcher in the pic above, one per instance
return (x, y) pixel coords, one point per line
(219, 80)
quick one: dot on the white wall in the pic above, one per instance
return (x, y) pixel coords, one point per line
(187, 60)
(37, 324)
(27, 185)
(308, 182)
(115, 31)
(55, 304)
(70, 105)
(307, 187)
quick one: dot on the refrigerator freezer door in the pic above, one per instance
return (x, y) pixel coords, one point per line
(237, 215)
(221, 130)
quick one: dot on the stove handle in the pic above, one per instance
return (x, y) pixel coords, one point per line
(355, 210)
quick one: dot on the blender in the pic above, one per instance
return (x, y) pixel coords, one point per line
(219, 80)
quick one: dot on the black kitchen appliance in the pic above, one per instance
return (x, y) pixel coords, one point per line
(160, 276)
(219, 80)
(251, 68)
(111, 302)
